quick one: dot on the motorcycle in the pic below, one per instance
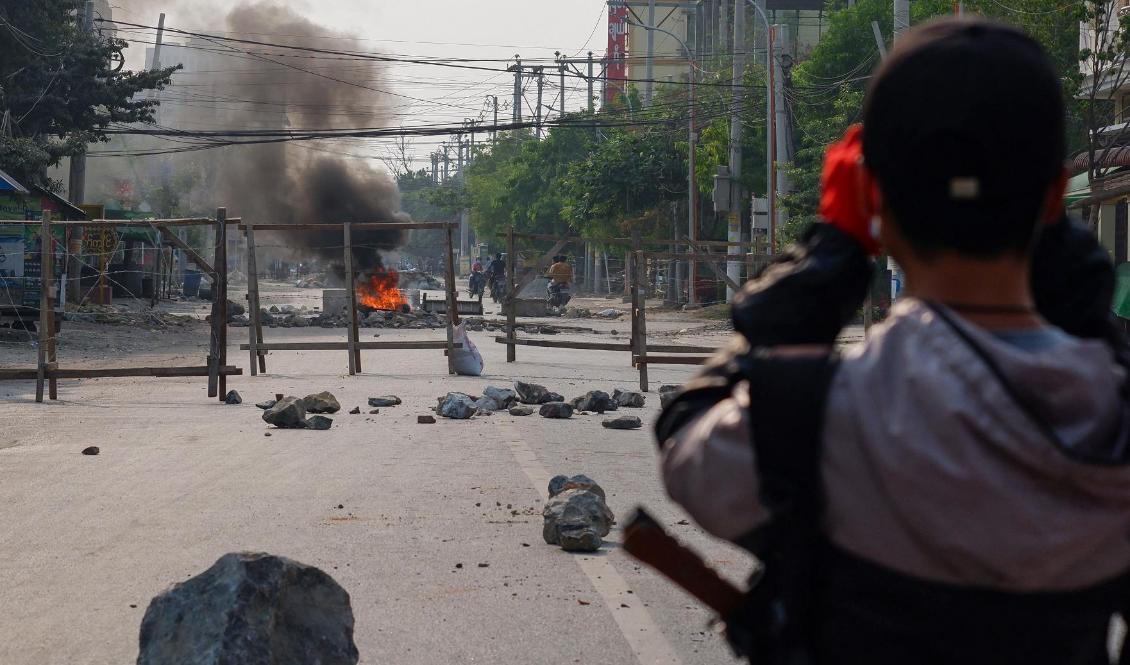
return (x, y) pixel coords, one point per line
(478, 283)
(498, 288)
(557, 296)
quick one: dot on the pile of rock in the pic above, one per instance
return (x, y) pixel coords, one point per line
(290, 412)
(124, 315)
(576, 516)
(311, 282)
(461, 406)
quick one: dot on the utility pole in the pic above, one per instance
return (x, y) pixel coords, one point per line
(76, 186)
(540, 73)
(494, 128)
(734, 220)
(561, 73)
(589, 79)
(902, 24)
(650, 75)
(780, 124)
(446, 161)
(435, 168)
(902, 17)
(516, 111)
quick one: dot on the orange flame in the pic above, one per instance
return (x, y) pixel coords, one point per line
(382, 291)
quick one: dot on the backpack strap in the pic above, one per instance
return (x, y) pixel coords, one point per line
(788, 395)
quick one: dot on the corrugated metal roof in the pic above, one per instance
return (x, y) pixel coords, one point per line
(10, 184)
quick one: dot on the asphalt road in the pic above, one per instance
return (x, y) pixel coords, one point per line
(181, 480)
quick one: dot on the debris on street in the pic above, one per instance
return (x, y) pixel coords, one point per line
(246, 607)
(319, 422)
(522, 410)
(233, 397)
(458, 406)
(595, 401)
(384, 400)
(323, 402)
(286, 413)
(426, 420)
(559, 410)
(576, 516)
(623, 422)
(629, 398)
(91, 450)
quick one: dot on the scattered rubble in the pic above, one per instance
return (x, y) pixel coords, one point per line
(355, 410)
(487, 405)
(521, 410)
(556, 410)
(125, 315)
(457, 405)
(504, 397)
(629, 398)
(233, 397)
(531, 393)
(596, 401)
(576, 516)
(374, 412)
(610, 313)
(250, 608)
(623, 422)
(287, 413)
(323, 402)
(266, 404)
(426, 420)
(91, 450)
(385, 400)
(319, 422)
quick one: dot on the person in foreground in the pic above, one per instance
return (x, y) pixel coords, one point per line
(957, 489)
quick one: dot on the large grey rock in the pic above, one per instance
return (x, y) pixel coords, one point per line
(504, 397)
(323, 402)
(251, 609)
(265, 404)
(629, 398)
(577, 520)
(596, 401)
(556, 410)
(486, 405)
(384, 400)
(288, 412)
(319, 422)
(560, 483)
(532, 393)
(553, 397)
(233, 397)
(521, 410)
(458, 406)
(623, 422)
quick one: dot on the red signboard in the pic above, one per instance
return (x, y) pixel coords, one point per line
(617, 63)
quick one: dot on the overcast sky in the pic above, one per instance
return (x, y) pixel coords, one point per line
(488, 29)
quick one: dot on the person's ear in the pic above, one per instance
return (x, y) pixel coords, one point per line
(1053, 199)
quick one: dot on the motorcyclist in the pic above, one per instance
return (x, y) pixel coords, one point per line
(478, 278)
(496, 273)
(560, 275)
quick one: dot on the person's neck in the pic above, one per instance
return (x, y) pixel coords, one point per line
(994, 294)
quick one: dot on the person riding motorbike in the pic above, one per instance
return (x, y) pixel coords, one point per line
(496, 277)
(478, 278)
(560, 276)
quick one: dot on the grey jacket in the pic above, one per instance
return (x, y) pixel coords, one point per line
(930, 468)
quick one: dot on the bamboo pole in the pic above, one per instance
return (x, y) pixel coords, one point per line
(44, 302)
(219, 305)
(255, 324)
(511, 298)
(452, 315)
(351, 302)
(641, 317)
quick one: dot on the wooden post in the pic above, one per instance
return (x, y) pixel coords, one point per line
(630, 279)
(351, 302)
(641, 317)
(452, 317)
(219, 307)
(46, 320)
(222, 272)
(511, 298)
(255, 324)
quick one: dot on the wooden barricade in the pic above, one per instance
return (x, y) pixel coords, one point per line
(258, 347)
(47, 371)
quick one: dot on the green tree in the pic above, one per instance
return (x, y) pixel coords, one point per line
(58, 90)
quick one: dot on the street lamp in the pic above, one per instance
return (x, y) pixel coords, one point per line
(692, 138)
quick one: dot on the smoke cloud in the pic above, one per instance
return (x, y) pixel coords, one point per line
(228, 85)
